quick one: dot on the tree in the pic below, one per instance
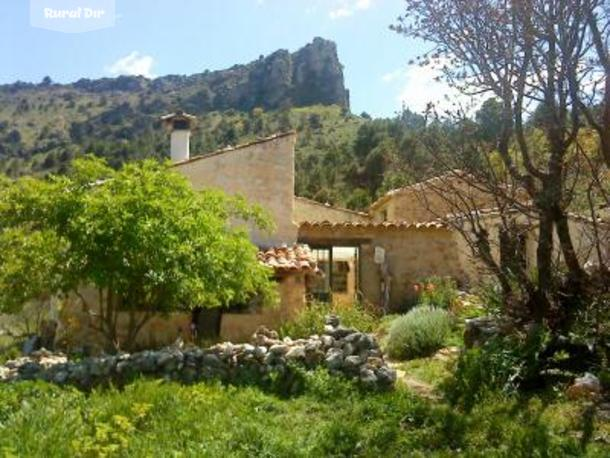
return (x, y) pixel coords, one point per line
(523, 53)
(141, 236)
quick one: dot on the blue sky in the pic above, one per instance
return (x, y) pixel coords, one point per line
(159, 37)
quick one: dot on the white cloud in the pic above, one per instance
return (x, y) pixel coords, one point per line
(340, 12)
(346, 8)
(421, 86)
(132, 64)
(393, 75)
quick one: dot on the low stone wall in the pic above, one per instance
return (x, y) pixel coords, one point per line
(343, 351)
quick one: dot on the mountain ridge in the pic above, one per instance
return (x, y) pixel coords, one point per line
(311, 75)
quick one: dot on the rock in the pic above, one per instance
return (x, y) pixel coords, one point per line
(368, 377)
(353, 338)
(260, 352)
(332, 320)
(29, 369)
(348, 349)
(334, 359)
(279, 349)
(263, 331)
(586, 387)
(386, 376)
(327, 341)
(211, 360)
(352, 363)
(477, 331)
(340, 332)
(296, 353)
(374, 361)
(60, 377)
(328, 329)
(367, 342)
(313, 345)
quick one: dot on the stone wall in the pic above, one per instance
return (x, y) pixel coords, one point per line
(262, 172)
(310, 210)
(343, 351)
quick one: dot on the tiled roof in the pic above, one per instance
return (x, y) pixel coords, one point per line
(440, 180)
(286, 259)
(332, 207)
(495, 211)
(374, 225)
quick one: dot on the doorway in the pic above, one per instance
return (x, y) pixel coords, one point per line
(340, 281)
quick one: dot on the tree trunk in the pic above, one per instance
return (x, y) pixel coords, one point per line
(567, 248)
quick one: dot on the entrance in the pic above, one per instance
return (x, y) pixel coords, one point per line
(340, 282)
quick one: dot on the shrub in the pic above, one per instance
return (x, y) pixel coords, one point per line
(437, 291)
(418, 333)
(311, 319)
(503, 364)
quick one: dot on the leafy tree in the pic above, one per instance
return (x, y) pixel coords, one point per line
(141, 236)
(489, 120)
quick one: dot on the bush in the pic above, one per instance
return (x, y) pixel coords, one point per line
(437, 291)
(311, 319)
(503, 364)
(418, 333)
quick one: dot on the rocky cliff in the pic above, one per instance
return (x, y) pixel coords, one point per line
(311, 75)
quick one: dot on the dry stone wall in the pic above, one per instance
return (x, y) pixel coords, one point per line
(343, 351)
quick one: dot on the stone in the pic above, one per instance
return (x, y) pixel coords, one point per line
(332, 320)
(374, 361)
(313, 345)
(327, 341)
(60, 377)
(585, 387)
(296, 353)
(260, 351)
(278, 349)
(334, 359)
(340, 332)
(479, 330)
(353, 338)
(367, 342)
(367, 377)
(29, 369)
(348, 349)
(351, 363)
(386, 376)
(211, 360)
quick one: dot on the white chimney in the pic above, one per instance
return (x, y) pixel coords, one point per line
(179, 124)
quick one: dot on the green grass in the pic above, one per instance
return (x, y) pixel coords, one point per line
(331, 418)
(432, 371)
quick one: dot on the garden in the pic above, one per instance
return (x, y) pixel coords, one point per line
(447, 400)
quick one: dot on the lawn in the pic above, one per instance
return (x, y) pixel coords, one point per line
(330, 417)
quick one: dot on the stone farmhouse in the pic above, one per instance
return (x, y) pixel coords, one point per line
(321, 252)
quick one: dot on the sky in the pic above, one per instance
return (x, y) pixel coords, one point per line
(159, 37)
